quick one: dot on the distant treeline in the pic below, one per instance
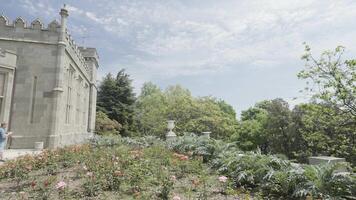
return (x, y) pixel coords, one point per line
(324, 126)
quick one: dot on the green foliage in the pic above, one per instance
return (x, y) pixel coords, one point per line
(266, 126)
(143, 168)
(324, 181)
(334, 79)
(201, 147)
(125, 168)
(105, 126)
(155, 107)
(285, 184)
(309, 129)
(276, 178)
(322, 131)
(331, 126)
(116, 99)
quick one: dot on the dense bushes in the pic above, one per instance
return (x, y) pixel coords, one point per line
(309, 129)
(108, 168)
(274, 177)
(131, 166)
(105, 126)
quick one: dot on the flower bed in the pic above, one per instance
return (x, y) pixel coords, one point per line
(106, 169)
(148, 168)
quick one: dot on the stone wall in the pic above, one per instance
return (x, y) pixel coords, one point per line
(54, 93)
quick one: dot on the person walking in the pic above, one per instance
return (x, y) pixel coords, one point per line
(3, 136)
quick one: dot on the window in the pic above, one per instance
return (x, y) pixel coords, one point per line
(2, 90)
(78, 104)
(69, 95)
(85, 103)
(33, 101)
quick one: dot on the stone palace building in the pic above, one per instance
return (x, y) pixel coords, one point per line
(47, 84)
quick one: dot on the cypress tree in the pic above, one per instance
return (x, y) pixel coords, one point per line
(116, 99)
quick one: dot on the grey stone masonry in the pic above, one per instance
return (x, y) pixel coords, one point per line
(47, 83)
(324, 159)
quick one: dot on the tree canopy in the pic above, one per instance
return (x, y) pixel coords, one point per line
(154, 107)
(116, 99)
(333, 78)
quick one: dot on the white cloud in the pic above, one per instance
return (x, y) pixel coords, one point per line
(192, 37)
(253, 46)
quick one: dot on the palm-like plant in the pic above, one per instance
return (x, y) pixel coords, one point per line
(324, 181)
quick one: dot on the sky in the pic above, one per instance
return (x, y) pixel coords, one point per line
(242, 51)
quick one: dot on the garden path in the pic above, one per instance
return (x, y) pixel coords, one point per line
(10, 154)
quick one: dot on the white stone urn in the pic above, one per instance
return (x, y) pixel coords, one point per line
(170, 126)
(206, 134)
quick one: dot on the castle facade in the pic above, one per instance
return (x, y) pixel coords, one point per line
(47, 84)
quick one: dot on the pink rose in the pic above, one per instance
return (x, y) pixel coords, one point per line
(90, 174)
(173, 178)
(222, 179)
(61, 185)
(176, 197)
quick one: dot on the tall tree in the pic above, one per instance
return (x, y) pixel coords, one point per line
(319, 127)
(333, 82)
(278, 125)
(155, 107)
(267, 125)
(116, 99)
(333, 78)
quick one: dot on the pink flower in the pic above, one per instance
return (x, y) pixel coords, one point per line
(222, 179)
(176, 197)
(173, 178)
(61, 185)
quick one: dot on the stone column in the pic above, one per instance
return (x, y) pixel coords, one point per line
(58, 89)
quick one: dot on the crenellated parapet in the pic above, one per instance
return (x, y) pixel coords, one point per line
(92, 60)
(75, 50)
(37, 32)
(36, 24)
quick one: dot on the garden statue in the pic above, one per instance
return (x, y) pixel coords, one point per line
(170, 127)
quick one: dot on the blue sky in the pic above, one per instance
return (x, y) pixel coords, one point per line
(242, 51)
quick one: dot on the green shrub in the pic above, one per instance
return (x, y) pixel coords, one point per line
(106, 126)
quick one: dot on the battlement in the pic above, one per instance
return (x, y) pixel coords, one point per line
(52, 34)
(75, 49)
(90, 53)
(36, 24)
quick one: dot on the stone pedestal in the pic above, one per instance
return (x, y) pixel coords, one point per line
(206, 134)
(170, 135)
(39, 146)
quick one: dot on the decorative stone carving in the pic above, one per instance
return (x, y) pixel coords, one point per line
(3, 20)
(37, 24)
(19, 23)
(170, 126)
(2, 53)
(53, 25)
